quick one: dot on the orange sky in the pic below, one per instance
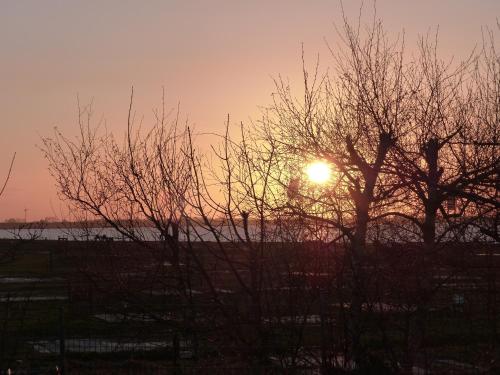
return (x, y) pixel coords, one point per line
(215, 57)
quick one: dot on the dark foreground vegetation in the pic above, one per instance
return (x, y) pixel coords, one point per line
(117, 307)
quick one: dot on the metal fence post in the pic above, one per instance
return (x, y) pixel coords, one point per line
(176, 348)
(62, 348)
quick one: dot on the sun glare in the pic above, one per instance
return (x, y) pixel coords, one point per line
(318, 172)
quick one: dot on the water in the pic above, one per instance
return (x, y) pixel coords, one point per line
(198, 233)
(32, 298)
(98, 345)
(28, 280)
(226, 233)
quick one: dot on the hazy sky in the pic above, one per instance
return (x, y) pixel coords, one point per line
(215, 57)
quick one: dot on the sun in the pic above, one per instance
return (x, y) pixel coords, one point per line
(318, 172)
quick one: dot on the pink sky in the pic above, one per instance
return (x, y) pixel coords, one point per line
(215, 57)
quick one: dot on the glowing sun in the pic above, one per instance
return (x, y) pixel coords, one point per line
(318, 172)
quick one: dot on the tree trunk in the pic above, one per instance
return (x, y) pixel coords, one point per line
(358, 287)
(431, 204)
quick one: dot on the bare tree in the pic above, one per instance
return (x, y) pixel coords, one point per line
(413, 143)
(445, 160)
(351, 119)
(249, 246)
(121, 183)
(135, 186)
(8, 174)
(9, 254)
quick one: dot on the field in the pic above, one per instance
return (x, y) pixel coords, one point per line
(117, 307)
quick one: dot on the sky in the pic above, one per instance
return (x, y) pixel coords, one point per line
(214, 57)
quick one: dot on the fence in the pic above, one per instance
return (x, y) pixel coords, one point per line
(52, 320)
